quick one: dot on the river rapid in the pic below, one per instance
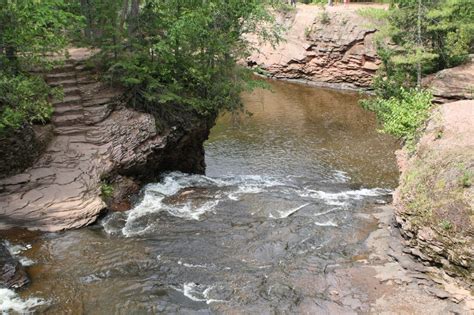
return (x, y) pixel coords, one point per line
(287, 199)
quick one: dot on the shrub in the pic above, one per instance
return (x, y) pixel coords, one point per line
(106, 190)
(402, 115)
(23, 99)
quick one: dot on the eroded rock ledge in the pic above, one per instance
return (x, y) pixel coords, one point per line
(452, 84)
(332, 48)
(98, 140)
(435, 199)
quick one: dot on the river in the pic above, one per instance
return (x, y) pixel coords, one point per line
(287, 198)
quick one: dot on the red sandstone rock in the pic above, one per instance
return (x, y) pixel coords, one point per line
(340, 53)
(96, 137)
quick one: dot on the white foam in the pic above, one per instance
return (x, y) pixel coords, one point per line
(194, 266)
(341, 198)
(341, 176)
(287, 213)
(16, 250)
(173, 183)
(326, 212)
(328, 223)
(26, 262)
(198, 292)
(10, 301)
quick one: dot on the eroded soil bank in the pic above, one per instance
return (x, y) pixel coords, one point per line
(435, 199)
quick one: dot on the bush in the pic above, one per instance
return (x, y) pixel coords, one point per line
(402, 115)
(23, 99)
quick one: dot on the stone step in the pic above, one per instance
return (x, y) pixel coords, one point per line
(67, 120)
(67, 110)
(68, 100)
(97, 102)
(71, 90)
(64, 83)
(71, 130)
(68, 66)
(86, 79)
(62, 76)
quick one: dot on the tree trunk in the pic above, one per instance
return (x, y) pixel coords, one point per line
(133, 19)
(86, 11)
(124, 13)
(419, 44)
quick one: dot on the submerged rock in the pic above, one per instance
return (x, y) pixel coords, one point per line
(12, 273)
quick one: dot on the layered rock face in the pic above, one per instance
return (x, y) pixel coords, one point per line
(435, 199)
(332, 47)
(97, 141)
(452, 84)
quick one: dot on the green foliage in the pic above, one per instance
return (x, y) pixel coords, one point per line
(324, 16)
(106, 190)
(184, 52)
(446, 225)
(438, 34)
(467, 177)
(30, 31)
(23, 99)
(402, 114)
(415, 38)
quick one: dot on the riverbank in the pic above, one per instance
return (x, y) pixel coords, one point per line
(387, 278)
(101, 152)
(332, 47)
(435, 199)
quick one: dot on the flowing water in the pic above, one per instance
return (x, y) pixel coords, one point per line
(287, 198)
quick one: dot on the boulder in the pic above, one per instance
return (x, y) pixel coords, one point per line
(12, 273)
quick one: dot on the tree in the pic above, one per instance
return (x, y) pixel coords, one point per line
(29, 32)
(185, 52)
(416, 38)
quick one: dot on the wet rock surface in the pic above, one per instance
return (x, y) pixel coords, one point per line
(96, 137)
(12, 273)
(283, 223)
(328, 48)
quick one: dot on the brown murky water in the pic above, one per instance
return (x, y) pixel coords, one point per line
(287, 197)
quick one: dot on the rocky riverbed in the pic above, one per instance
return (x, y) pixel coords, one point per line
(289, 218)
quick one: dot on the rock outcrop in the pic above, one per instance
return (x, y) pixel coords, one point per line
(98, 143)
(452, 84)
(435, 199)
(332, 47)
(12, 274)
(31, 139)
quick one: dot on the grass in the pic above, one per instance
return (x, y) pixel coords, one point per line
(436, 192)
(106, 190)
(433, 191)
